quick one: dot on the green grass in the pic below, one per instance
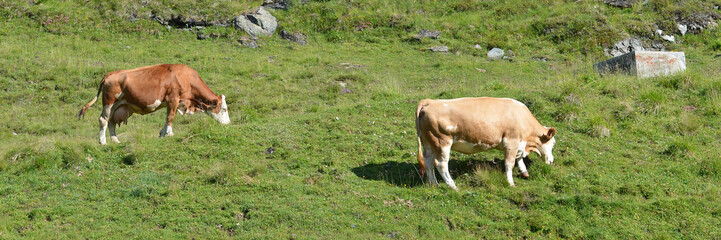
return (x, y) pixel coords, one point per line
(344, 163)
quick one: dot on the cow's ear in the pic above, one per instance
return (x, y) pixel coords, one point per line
(547, 137)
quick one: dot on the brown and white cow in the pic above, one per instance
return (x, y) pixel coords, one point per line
(146, 89)
(471, 125)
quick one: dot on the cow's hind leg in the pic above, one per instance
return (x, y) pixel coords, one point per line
(111, 126)
(443, 166)
(103, 121)
(429, 159)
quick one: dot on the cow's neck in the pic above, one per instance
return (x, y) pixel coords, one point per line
(202, 93)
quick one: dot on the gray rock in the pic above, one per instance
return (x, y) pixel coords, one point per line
(201, 36)
(495, 53)
(682, 28)
(477, 47)
(257, 23)
(621, 3)
(668, 38)
(665, 37)
(250, 43)
(439, 49)
(277, 4)
(625, 46)
(425, 33)
(296, 37)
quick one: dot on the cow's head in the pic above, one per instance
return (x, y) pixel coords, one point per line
(218, 109)
(547, 142)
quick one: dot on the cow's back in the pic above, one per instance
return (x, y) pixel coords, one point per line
(476, 120)
(146, 86)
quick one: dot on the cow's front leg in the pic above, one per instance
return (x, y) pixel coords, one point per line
(510, 157)
(103, 122)
(443, 167)
(168, 128)
(522, 167)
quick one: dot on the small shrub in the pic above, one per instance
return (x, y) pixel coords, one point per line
(624, 111)
(651, 101)
(716, 45)
(687, 124)
(710, 168)
(218, 174)
(70, 157)
(678, 149)
(486, 177)
(677, 81)
(129, 159)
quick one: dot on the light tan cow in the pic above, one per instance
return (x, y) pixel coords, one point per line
(471, 125)
(146, 89)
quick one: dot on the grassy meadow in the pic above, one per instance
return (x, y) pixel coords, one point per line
(322, 137)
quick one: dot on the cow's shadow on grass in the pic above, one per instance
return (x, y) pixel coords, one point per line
(407, 174)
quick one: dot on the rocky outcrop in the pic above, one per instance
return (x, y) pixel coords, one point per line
(631, 45)
(277, 4)
(186, 21)
(621, 3)
(697, 22)
(425, 33)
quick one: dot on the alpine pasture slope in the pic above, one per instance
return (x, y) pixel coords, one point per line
(309, 157)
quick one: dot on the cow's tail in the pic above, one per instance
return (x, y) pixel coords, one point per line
(421, 161)
(85, 108)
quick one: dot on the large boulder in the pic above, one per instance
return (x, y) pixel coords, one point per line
(257, 23)
(644, 64)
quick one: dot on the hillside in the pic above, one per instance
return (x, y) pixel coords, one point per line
(322, 142)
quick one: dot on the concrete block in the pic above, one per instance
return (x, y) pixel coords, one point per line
(644, 64)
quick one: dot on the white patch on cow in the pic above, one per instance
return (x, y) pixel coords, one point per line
(521, 153)
(509, 177)
(460, 145)
(222, 117)
(516, 101)
(167, 130)
(546, 150)
(522, 166)
(442, 167)
(464, 147)
(155, 105)
(451, 128)
(119, 95)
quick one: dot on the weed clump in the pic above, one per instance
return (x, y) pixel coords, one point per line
(679, 149)
(687, 124)
(219, 173)
(486, 177)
